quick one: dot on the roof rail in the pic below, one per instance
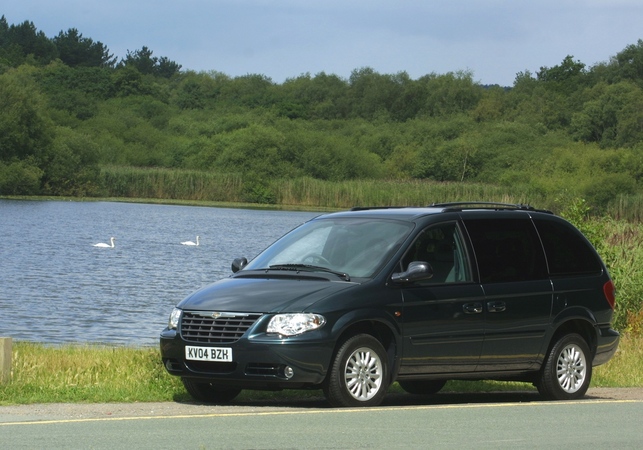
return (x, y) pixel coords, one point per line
(366, 208)
(458, 206)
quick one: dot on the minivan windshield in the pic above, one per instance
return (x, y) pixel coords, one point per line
(358, 247)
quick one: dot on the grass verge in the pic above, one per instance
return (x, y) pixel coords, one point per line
(102, 374)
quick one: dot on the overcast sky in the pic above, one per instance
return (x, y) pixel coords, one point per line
(494, 39)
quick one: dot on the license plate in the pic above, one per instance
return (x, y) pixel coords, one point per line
(218, 354)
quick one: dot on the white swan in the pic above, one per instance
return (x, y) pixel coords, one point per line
(103, 245)
(190, 242)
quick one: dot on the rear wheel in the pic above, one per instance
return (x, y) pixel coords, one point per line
(422, 387)
(208, 392)
(359, 373)
(567, 371)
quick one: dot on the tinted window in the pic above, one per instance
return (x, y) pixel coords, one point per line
(567, 252)
(442, 247)
(507, 250)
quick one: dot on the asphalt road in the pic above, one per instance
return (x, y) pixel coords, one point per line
(609, 418)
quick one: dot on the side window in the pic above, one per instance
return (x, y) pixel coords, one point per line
(442, 247)
(567, 252)
(507, 250)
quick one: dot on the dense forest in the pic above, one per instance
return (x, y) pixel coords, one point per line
(77, 121)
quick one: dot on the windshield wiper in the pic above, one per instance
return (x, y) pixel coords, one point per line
(309, 268)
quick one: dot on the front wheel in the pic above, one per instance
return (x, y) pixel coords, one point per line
(567, 371)
(208, 392)
(359, 373)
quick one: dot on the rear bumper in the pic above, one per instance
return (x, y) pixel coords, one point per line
(606, 345)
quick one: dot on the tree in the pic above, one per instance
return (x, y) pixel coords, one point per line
(71, 166)
(373, 95)
(566, 71)
(77, 51)
(20, 178)
(143, 61)
(25, 129)
(628, 64)
(612, 116)
(449, 94)
(252, 90)
(21, 41)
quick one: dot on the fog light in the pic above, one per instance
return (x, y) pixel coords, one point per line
(289, 372)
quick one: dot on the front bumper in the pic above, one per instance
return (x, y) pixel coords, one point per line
(259, 362)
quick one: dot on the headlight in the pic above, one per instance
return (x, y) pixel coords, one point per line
(294, 324)
(175, 318)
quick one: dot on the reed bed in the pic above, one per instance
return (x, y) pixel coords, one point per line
(627, 207)
(130, 182)
(347, 194)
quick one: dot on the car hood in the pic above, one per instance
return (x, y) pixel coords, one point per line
(241, 294)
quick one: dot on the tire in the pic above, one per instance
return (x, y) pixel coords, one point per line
(422, 387)
(567, 371)
(208, 392)
(359, 373)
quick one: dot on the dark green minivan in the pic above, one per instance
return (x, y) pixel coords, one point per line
(353, 301)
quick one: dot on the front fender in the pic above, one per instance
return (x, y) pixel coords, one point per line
(382, 323)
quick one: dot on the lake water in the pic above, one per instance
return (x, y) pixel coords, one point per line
(56, 287)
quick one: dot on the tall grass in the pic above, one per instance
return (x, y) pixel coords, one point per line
(131, 182)
(86, 373)
(627, 207)
(346, 194)
(625, 369)
(623, 253)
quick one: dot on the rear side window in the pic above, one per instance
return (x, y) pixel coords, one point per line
(507, 250)
(567, 252)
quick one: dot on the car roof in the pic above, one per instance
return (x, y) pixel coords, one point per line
(411, 213)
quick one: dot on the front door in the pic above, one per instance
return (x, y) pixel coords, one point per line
(443, 317)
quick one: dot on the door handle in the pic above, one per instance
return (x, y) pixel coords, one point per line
(472, 308)
(496, 306)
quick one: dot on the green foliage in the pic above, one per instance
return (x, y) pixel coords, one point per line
(620, 244)
(25, 128)
(143, 61)
(20, 177)
(566, 128)
(77, 51)
(83, 373)
(71, 168)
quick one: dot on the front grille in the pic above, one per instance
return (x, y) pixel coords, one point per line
(225, 328)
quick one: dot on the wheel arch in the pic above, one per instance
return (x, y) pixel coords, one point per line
(580, 326)
(381, 330)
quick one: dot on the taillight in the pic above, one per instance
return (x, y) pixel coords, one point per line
(610, 293)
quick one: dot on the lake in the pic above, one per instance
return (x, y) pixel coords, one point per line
(56, 287)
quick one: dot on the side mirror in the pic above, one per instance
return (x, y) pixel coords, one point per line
(417, 271)
(238, 264)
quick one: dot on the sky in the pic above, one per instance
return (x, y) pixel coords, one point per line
(281, 39)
